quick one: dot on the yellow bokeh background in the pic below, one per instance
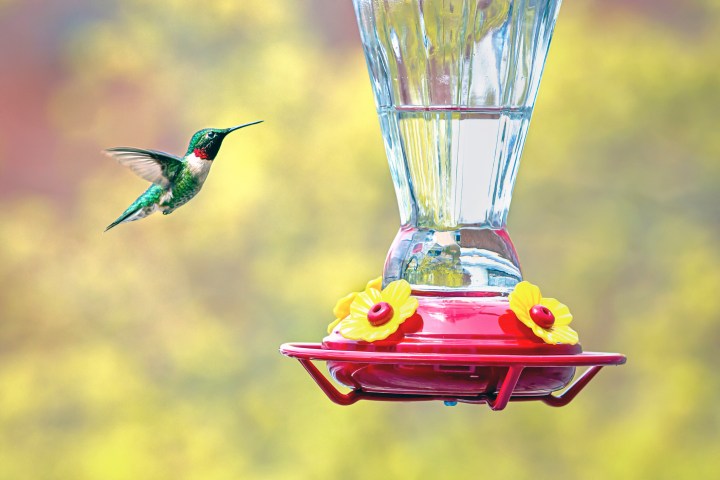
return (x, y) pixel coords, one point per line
(150, 352)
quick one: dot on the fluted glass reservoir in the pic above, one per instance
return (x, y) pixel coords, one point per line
(455, 82)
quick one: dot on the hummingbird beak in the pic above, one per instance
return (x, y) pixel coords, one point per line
(232, 129)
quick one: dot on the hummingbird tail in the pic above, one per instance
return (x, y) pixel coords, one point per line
(146, 204)
(125, 217)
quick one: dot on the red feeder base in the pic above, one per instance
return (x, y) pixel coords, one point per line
(503, 371)
(461, 350)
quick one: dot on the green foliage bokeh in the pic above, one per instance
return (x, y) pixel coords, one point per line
(151, 351)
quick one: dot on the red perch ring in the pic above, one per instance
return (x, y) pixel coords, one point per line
(470, 350)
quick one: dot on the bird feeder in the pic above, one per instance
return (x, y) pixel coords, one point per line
(452, 318)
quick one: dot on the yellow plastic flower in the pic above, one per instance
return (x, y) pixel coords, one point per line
(546, 317)
(375, 315)
(342, 307)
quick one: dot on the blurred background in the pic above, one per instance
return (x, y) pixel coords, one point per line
(150, 352)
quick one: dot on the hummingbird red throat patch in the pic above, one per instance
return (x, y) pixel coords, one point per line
(200, 153)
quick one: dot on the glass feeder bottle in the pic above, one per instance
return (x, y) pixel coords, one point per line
(455, 83)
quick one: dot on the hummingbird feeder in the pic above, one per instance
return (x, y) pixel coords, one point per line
(451, 318)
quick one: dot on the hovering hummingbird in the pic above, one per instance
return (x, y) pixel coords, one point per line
(174, 180)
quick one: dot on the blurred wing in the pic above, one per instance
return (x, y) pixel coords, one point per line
(157, 167)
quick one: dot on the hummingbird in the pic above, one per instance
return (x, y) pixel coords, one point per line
(174, 180)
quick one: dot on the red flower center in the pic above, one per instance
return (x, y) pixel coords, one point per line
(380, 314)
(542, 316)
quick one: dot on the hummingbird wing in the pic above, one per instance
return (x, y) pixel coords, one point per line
(159, 168)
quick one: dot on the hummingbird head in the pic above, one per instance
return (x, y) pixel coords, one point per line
(206, 143)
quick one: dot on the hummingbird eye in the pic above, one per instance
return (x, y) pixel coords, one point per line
(211, 135)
